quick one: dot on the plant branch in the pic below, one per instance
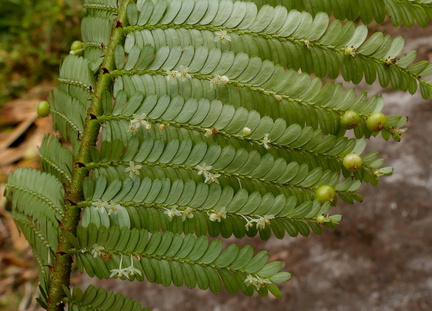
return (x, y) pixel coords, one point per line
(62, 266)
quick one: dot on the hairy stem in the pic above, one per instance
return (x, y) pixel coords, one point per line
(61, 270)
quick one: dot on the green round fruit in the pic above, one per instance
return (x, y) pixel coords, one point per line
(321, 219)
(350, 119)
(77, 48)
(43, 109)
(325, 193)
(376, 121)
(352, 162)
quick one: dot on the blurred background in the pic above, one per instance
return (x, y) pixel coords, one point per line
(378, 259)
(34, 34)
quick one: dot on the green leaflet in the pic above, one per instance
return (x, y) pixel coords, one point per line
(157, 257)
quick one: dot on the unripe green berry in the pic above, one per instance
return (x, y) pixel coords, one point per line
(325, 193)
(321, 219)
(376, 121)
(352, 162)
(350, 119)
(349, 51)
(43, 109)
(77, 48)
(246, 131)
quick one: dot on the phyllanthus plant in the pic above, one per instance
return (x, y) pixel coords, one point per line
(186, 119)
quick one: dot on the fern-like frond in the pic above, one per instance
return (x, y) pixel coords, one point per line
(167, 259)
(191, 207)
(248, 170)
(214, 123)
(400, 11)
(258, 85)
(293, 39)
(99, 299)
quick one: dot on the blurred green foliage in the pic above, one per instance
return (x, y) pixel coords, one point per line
(34, 36)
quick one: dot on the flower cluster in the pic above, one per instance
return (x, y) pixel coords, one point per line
(183, 72)
(218, 79)
(173, 212)
(257, 282)
(209, 177)
(138, 121)
(260, 222)
(126, 272)
(105, 207)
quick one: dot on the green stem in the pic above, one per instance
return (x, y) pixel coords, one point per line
(61, 270)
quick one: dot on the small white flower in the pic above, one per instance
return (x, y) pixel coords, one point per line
(97, 250)
(224, 79)
(263, 221)
(211, 178)
(208, 132)
(138, 121)
(173, 74)
(173, 212)
(184, 72)
(218, 215)
(120, 271)
(262, 282)
(218, 79)
(222, 35)
(114, 207)
(132, 128)
(83, 250)
(202, 169)
(251, 281)
(101, 206)
(246, 131)
(266, 141)
(187, 213)
(249, 224)
(257, 282)
(131, 270)
(133, 169)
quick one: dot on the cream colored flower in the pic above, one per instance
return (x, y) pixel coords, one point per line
(222, 35)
